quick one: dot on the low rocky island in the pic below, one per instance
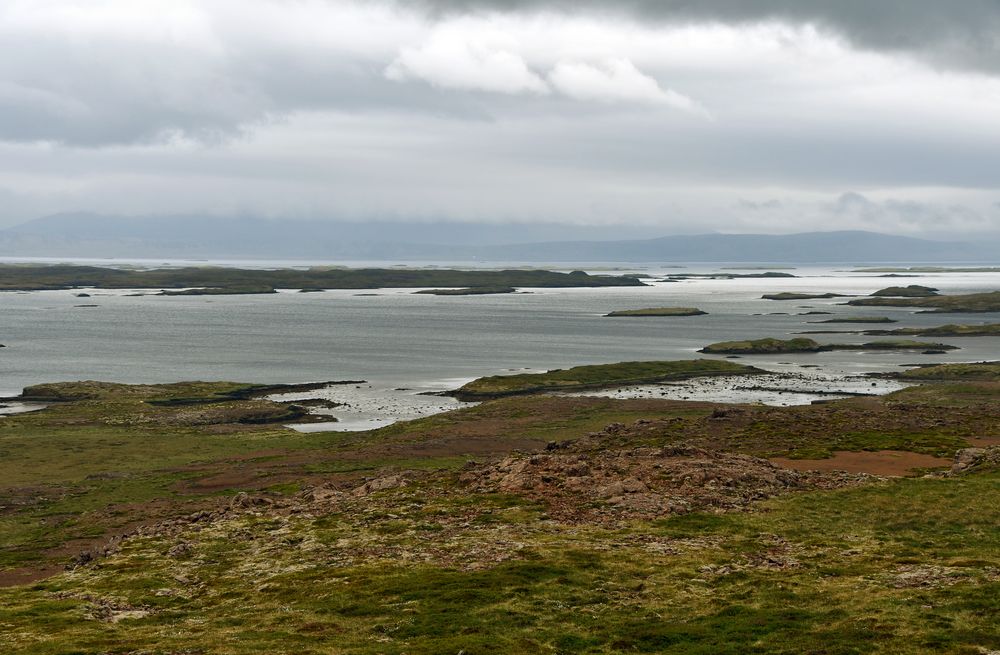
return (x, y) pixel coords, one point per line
(219, 291)
(468, 291)
(911, 291)
(771, 346)
(950, 330)
(728, 276)
(791, 295)
(762, 347)
(859, 319)
(965, 303)
(657, 311)
(928, 269)
(596, 376)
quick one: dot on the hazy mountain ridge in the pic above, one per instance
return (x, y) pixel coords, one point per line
(94, 235)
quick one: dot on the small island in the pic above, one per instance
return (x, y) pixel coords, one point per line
(657, 311)
(951, 330)
(859, 319)
(762, 347)
(218, 291)
(728, 276)
(467, 291)
(928, 269)
(596, 376)
(911, 291)
(771, 346)
(790, 295)
(965, 303)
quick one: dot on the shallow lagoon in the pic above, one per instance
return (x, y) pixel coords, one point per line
(397, 340)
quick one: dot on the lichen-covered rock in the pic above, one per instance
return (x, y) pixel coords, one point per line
(971, 459)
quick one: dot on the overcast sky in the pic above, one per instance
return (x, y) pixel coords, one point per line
(725, 115)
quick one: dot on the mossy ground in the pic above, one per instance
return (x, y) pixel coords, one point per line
(898, 566)
(907, 566)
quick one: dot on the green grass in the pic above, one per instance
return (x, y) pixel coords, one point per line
(600, 375)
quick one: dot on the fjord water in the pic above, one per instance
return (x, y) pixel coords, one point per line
(398, 339)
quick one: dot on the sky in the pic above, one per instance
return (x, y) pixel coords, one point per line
(769, 116)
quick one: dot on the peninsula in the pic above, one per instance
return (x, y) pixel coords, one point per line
(217, 279)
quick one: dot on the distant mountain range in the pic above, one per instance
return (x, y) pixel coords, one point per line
(199, 237)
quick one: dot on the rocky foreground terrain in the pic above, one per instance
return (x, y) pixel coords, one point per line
(185, 519)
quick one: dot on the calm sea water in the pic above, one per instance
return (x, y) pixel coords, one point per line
(397, 339)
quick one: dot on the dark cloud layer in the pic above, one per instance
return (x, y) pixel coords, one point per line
(958, 33)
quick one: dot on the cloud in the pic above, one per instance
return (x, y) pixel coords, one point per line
(615, 80)
(959, 34)
(759, 205)
(486, 62)
(572, 113)
(486, 55)
(910, 216)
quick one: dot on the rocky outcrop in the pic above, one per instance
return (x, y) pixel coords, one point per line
(642, 482)
(970, 460)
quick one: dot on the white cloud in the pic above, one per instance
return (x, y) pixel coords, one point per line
(451, 59)
(615, 80)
